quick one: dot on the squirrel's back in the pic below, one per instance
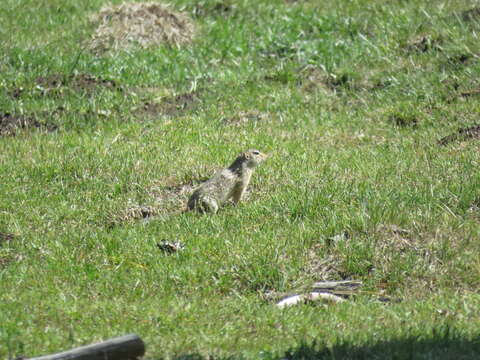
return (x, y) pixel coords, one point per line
(227, 183)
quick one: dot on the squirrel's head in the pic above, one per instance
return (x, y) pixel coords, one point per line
(253, 157)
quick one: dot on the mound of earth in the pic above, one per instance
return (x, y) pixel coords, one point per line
(142, 24)
(10, 124)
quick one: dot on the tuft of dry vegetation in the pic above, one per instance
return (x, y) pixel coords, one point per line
(164, 200)
(322, 267)
(245, 117)
(312, 78)
(142, 24)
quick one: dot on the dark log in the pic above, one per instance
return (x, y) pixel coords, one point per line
(128, 347)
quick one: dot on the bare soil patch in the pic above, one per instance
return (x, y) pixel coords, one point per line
(462, 134)
(472, 14)
(177, 105)
(11, 124)
(461, 59)
(143, 24)
(56, 84)
(425, 43)
(171, 105)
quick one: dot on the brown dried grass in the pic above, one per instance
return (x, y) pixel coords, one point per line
(163, 201)
(141, 24)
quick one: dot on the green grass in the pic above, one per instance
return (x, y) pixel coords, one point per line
(355, 102)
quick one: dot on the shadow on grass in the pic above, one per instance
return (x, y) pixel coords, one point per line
(409, 348)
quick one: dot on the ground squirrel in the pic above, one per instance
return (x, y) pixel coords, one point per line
(227, 183)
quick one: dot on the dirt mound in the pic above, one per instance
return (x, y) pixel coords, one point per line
(462, 134)
(143, 24)
(10, 124)
(55, 83)
(172, 106)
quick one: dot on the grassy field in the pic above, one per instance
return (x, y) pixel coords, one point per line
(350, 99)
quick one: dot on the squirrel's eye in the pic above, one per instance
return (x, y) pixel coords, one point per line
(256, 152)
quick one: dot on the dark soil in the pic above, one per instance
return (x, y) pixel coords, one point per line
(404, 120)
(171, 105)
(178, 105)
(471, 14)
(150, 109)
(56, 84)
(10, 124)
(218, 8)
(462, 134)
(17, 92)
(6, 237)
(461, 59)
(424, 44)
(80, 82)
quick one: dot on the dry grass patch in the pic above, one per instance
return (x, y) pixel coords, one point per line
(246, 117)
(417, 263)
(312, 78)
(324, 267)
(140, 24)
(397, 260)
(163, 200)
